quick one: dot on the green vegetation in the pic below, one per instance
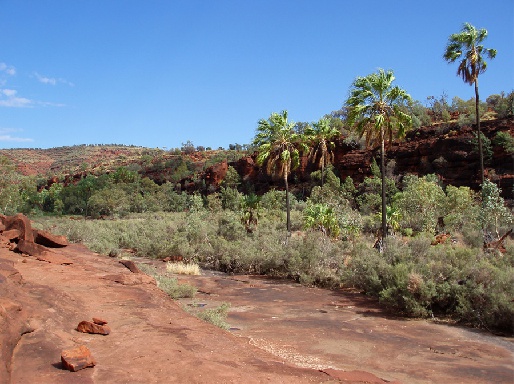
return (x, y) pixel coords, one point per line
(216, 316)
(168, 283)
(320, 137)
(279, 148)
(466, 47)
(331, 246)
(375, 112)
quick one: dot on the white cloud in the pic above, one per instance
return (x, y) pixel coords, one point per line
(15, 139)
(11, 100)
(45, 80)
(9, 69)
(52, 80)
(5, 136)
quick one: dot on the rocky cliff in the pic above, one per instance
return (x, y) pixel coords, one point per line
(446, 150)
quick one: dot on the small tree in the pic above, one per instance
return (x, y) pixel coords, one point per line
(279, 147)
(320, 137)
(494, 213)
(375, 111)
(321, 217)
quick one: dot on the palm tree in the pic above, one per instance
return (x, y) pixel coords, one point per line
(320, 136)
(467, 47)
(374, 110)
(279, 147)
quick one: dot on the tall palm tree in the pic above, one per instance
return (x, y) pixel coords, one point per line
(320, 137)
(467, 47)
(374, 111)
(279, 147)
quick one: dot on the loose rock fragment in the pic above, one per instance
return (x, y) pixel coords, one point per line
(89, 327)
(131, 266)
(99, 321)
(76, 359)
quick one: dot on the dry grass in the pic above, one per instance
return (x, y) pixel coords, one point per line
(181, 268)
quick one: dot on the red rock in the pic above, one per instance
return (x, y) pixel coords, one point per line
(130, 265)
(7, 271)
(89, 327)
(441, 238)
(11, 234)
(21, 223)
(99, 321)
(49, 240)
(30, 248)
(76, 359)
(54, 258)
(355, 376)
(215, 174)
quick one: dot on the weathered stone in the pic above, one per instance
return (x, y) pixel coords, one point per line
(76, 359)
(89, 327)
(21, 223)
(54, 258)
(356, 376)
(11, 234)
(49, 240)
(8, 271)
(99, 321)
(215, 174)
(130, 265)
(30, 248)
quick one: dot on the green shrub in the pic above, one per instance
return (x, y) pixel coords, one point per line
(231, 199)
(505, 140)
(321, 217)
(420, 203)
(461, 210)
(494, 214)
(216, 316)
(173, 289)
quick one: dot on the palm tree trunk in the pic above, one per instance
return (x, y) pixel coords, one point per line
(288, 213)
(479, 133)
(382, 169)
(322, 173)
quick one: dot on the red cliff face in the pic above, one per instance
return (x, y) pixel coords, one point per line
(447, 151)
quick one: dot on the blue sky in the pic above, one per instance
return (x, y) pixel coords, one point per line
(157, 73)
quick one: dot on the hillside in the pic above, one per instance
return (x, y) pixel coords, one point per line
(444, 149)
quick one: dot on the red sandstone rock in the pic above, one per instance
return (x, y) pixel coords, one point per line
(76, 359)
(30, 248)
(7, 271)
(49, 240)
(130, 265)
(21, 223)
(54, 258)
(89, 327)
(99, 321)
(215, 174)
(356, 376)
(11, 234)
(441, 238)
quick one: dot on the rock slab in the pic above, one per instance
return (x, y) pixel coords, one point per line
(89, 327)
(77, 358)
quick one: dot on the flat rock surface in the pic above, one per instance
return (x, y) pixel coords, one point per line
(348, 331)
(281, 332)
(152, 339)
